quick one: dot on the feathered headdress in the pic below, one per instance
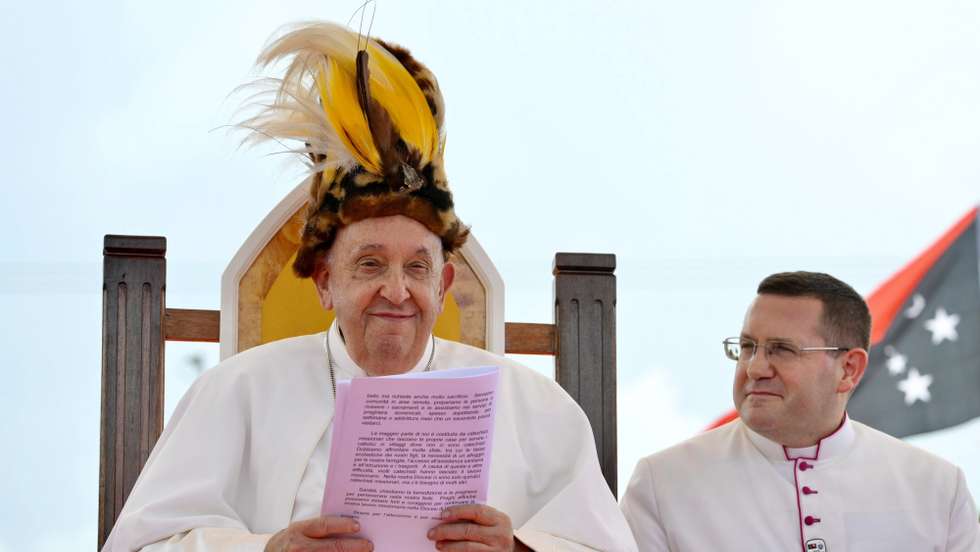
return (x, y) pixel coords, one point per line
(370, 121)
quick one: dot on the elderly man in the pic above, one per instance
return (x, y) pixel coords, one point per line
(242, 464)
(794, 473)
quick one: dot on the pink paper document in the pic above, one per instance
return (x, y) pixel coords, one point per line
(405, 447)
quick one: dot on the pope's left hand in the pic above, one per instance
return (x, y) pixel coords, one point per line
(475, 528)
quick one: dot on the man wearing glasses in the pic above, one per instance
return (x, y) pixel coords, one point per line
(794, 472)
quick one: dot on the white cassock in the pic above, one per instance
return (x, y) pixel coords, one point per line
(246, 451)
(858, 490)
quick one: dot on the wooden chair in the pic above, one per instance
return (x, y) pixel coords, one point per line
(258, 283)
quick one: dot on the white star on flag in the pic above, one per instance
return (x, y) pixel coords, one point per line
(943, 326)
(916, 387)
(918, 303)
(896, 364)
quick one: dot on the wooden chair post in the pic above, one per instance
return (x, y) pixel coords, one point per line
(585, 317)
(133, 307)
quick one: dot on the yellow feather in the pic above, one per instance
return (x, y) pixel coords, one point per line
(395, 89)
(326, 54)
(338, 92)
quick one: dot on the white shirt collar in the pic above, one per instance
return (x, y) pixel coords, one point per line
(348, 369)
(829, 447)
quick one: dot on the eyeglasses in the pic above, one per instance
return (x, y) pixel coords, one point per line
(743, 349)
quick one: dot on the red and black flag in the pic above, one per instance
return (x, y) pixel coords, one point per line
(924, 372)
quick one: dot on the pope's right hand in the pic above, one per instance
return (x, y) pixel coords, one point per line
(324, 533)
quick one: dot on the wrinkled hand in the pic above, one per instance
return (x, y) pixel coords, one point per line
(474, 528)
(324, 534)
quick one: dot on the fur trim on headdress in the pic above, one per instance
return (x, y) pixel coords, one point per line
(370, 118)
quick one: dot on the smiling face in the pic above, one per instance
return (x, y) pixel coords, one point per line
(386, 279)
(795, 402)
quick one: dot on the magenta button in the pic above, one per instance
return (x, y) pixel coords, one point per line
(810, 520)
(808, 491)
(804, 466)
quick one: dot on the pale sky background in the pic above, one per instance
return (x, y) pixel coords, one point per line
(706, 144)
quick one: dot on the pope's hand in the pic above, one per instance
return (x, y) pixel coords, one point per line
(476, 528)
(325, 533)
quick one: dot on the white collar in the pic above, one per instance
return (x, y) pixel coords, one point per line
(833, 445)
(348, 369)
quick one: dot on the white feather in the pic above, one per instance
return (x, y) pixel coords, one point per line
(288, 109)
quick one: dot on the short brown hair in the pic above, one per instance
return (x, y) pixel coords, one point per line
(846, 318)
